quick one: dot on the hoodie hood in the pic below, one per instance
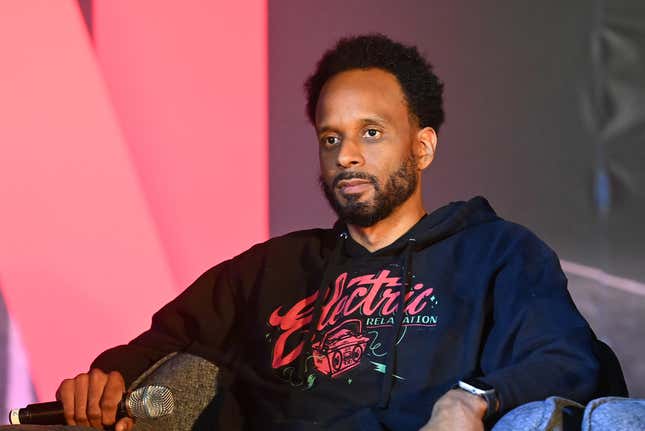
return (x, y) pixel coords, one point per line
(431, 228)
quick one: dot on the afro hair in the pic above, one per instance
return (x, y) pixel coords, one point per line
(421, 87)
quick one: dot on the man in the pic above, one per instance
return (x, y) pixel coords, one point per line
(384, 320)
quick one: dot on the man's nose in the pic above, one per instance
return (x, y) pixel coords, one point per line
(350, 154)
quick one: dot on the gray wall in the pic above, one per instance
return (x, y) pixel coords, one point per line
(528, 104)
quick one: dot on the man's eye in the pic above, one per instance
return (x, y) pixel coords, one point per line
(372, 133)
(331, 140)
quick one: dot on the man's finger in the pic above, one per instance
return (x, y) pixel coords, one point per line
(97, 381)
(124, 424)
(81, 383)
(112, 395)
(65, 394)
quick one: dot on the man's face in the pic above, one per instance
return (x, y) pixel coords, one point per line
(367, 163)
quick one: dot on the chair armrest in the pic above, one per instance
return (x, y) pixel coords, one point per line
(193, 383)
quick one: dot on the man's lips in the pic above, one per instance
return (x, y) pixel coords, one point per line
(353, 186)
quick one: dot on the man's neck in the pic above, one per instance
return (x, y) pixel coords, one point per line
(391, 228)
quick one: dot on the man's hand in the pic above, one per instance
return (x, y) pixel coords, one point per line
(457, 410)
(92, 399)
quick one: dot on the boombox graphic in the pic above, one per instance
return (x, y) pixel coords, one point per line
(340, 349)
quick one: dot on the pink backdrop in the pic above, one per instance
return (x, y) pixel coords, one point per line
(126, 168)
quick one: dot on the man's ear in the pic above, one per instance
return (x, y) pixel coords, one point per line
(426, 146)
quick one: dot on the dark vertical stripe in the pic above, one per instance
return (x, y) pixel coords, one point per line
(4, 354)
(86, 10)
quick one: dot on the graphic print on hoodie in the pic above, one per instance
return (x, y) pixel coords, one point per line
(356, 319)
(368, 307)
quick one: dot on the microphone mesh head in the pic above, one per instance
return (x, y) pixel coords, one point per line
(150, 402)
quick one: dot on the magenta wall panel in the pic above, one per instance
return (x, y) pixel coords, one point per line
(81, 264)
(189, 83)
(127, 168)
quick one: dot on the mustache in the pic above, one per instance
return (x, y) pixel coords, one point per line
(353, 175)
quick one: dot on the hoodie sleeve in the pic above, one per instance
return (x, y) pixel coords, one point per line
(198, 321)
(539, 344)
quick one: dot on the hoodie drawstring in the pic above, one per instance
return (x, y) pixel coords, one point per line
(386, 387)
(324, 287)
(331, 263)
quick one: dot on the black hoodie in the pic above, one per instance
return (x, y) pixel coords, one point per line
(462, 294)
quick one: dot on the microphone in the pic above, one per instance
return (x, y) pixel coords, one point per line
(145, 402)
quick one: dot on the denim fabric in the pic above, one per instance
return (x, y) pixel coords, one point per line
(602, 414)
(614, 413)
(536, 416)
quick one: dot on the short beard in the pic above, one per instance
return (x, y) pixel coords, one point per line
(399, 187)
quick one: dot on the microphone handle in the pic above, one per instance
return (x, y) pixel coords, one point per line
(42, 414)
(51, 413)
